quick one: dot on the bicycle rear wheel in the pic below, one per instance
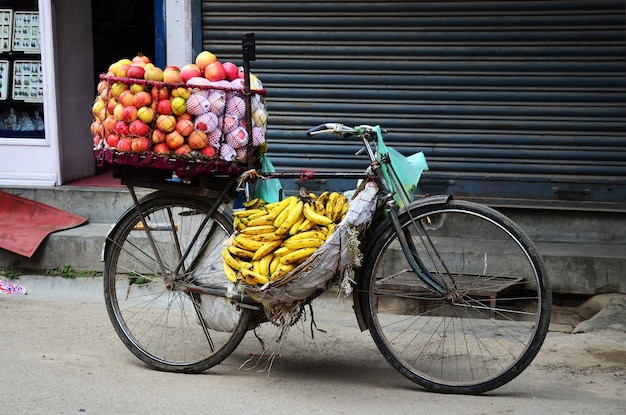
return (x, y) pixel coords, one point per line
(495, 318)
(166, 326)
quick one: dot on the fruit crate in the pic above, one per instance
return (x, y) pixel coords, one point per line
(189, 128)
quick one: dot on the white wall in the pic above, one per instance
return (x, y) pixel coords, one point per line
(179, 32)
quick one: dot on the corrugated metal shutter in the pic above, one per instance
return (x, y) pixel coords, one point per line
(513, 102)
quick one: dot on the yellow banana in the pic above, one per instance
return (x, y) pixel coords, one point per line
(233, 262)
(261, 220)
(264, 264)
(281, 271)
(255, 230)
(238, 224)
(247, 212)
(249, 275)
(274, 264)
(323, 197)
(294, 215)
(319, 207)
(331, 229)
(282, 252)
(231, 274)
(330, 203)
(308, 234)
(304, 243)
(240, 253)
(295, 257)
(315, 217)
(305, 226)
(278, 209)
(246, 243)
(313, 196)
(266, 237)
(266, 248)
(253, 203)
(338, 207)
(282, 216)
(296, 226)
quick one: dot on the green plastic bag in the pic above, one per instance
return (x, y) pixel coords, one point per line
(268, 189)
(405, 172)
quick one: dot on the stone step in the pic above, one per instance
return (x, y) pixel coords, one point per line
(574, 268)
(585, 252)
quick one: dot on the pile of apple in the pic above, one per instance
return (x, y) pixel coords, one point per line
(197, 111)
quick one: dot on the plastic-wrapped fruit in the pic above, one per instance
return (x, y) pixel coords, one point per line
(237, 138)
(198, 104)
(206, 122)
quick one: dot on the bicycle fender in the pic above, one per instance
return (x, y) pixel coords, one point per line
(426, 201)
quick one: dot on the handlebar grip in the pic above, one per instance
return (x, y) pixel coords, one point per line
(320, 128)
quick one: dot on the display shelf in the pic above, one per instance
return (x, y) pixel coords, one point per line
(6, 22)
(27, 81)
(26, 34)
(4, 80)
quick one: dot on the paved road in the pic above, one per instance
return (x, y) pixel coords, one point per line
(61, 356)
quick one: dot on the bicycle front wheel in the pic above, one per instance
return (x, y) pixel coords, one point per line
(160, 320)
(491, 323)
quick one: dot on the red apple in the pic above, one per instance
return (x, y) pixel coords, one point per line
(112, 140)
(139, 128)
(140, 144)
(142, 99)
(124, 145)
(129, 114)
(160, 93)
(164, 106)
(232, 70)
(135, 71)
(208, 151)
(166, 123)
(215, 72)
(171, 74)
(109, 123)
(121, 128)
(161, 148)
(197, 140)
(97, 129)
(174, 140)
(189, 71)
(184, 149)
(111, 105)
(184, 127)
(123, 70)
(205, 58)
(117, 111)
(126, 98)
(183, 116)
(158, 136)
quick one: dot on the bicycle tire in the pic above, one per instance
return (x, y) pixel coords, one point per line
(165, 328)
(482, 338)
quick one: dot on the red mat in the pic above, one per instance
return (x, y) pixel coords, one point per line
(24, 223)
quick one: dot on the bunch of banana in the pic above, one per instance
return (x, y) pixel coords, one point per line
(274, 238)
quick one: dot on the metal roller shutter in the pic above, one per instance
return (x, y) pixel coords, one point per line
(513, 102)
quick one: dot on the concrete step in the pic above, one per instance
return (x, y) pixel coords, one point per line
(584, 253)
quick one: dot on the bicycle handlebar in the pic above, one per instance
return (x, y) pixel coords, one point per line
(333, 127)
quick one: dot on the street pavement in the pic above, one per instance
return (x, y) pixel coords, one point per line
(62, 356)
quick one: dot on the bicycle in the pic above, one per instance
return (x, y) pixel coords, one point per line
(454, 294)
